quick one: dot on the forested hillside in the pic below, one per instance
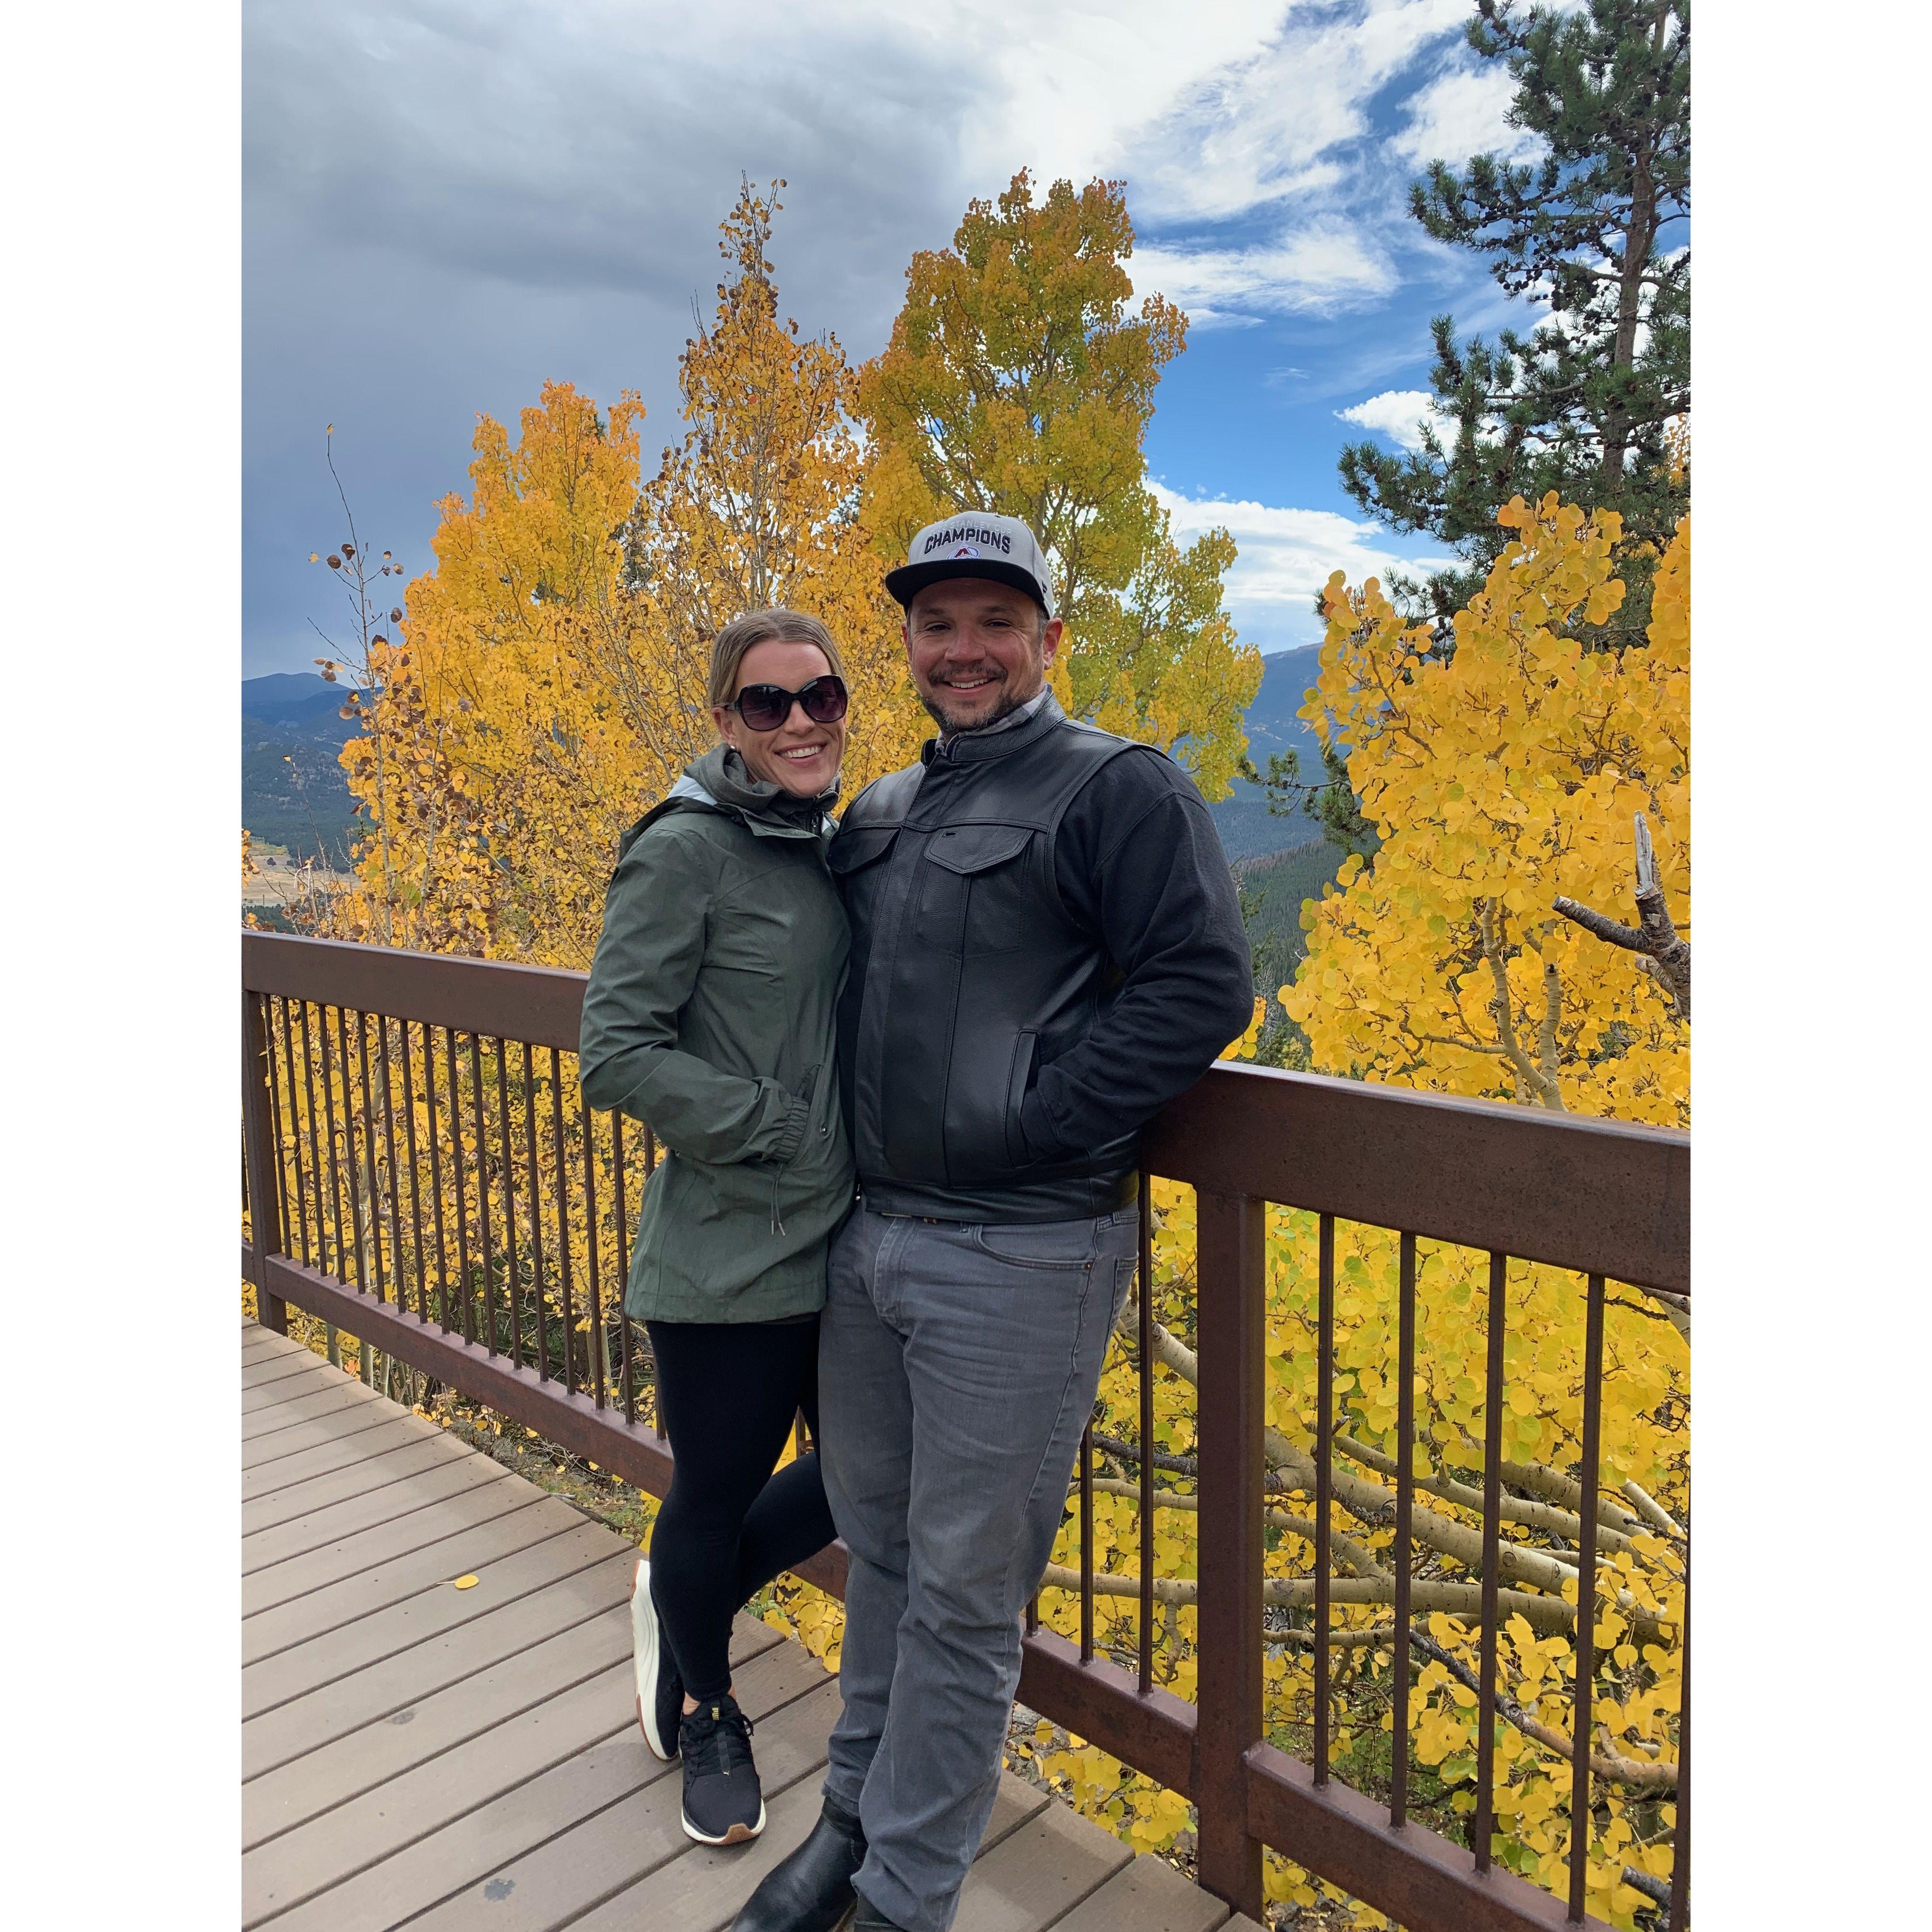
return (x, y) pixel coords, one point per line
(294, 791)
(297, 717)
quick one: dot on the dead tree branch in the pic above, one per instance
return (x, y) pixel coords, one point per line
(1661, 953)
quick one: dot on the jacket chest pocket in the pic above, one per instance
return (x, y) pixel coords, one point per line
(853, 860)
(977, 892)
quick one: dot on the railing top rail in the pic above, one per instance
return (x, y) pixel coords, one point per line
(1600, 1196)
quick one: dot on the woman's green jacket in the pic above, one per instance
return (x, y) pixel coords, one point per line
(710, 1017)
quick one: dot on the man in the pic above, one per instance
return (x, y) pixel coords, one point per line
(1046, 949)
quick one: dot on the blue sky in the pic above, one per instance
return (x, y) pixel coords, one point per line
(448, 201)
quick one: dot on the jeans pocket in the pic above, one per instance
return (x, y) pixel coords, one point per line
(1070, 1245)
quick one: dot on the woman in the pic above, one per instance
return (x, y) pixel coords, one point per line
(710, 1017)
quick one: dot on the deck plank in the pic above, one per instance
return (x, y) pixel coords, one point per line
(702, 1889)
(328, 1396)
(511, 1818)
(1148, 1895)
(266, 1370)
(321, 1459)
(335, 1425)
(265, 1546)
(605, 1855)
(314, 1373)
(362, 1761)
(377, 1471)
(1041, 1872)
(350, 1598)
(359, 1550)
(353, 1836)
(580, 1611)
(334, 1655)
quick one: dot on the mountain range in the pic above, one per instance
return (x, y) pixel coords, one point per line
(294, 795)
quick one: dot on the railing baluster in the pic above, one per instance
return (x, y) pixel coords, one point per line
(1483, 1828)
(1680, 1843)
(510, 1201)
(295, 1136)
(623, 1266)
(462, 1192)
(1405, 1505)
(349, 1153)
(563, 1220)
(435, 1127)
(1087, 1542)
(540, 1287)
(1146, 1473)
(415, 1166)
(278, 1161)
(331, 1264)
(1324, 1479)
(395, 1190)
(598, 1342)
(477, 1092)
(369, 1156)
(354, 1269)
(1586, 1600)
(1230, 1410)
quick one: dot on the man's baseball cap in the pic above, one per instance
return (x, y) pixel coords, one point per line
(974, 544)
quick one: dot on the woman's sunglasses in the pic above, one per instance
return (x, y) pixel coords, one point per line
(764, 707)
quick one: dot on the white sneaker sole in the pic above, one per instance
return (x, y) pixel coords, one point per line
(645, 1639)
(739, 1834)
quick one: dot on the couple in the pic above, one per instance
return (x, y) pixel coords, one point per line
(959, 1006)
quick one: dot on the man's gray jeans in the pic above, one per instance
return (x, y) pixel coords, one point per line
(958, 1365)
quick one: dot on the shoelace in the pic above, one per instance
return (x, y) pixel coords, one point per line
(716, 1740)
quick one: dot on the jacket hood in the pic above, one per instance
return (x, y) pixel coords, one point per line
(721, 776)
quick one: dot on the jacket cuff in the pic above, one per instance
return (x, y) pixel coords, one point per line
(793, 1137)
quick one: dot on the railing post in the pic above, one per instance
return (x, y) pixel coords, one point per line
(262, 1141)
(1232, 1411)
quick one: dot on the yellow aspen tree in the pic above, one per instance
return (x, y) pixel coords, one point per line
(1016, 381)
(550, 685)
(758, 505)
(1501, 780)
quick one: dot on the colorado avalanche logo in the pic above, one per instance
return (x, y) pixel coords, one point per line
(965, 550)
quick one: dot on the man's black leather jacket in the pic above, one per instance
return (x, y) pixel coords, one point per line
(1046, 947)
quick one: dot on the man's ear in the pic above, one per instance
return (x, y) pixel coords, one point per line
(1049, 639)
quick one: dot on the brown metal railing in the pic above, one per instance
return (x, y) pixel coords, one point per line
(421, 1171)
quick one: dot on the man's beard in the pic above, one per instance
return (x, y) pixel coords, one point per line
(1004, 706)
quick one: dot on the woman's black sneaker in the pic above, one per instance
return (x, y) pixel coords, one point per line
(722, 1803)
(660, 1690)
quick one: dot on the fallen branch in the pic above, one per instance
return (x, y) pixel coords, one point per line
(1340, 1543)
(1547, 1616)
(1370, 1503)
(1513, 1509)
(1618, 1770)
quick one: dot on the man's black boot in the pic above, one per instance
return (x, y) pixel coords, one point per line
(869, 1918)
(812, 1890)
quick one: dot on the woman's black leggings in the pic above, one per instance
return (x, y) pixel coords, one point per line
(727, 1392)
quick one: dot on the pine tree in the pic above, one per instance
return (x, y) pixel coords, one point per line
(1584, 404)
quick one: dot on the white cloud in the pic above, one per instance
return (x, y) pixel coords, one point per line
(1326, 267)
(1399, 414)
(1256, 130)
(1461, 112)
(1286, 556)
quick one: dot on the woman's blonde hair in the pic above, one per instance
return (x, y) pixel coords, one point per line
(762, 627)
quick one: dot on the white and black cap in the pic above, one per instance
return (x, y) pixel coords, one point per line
(974, 544)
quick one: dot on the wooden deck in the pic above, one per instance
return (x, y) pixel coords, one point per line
(416, 1754)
